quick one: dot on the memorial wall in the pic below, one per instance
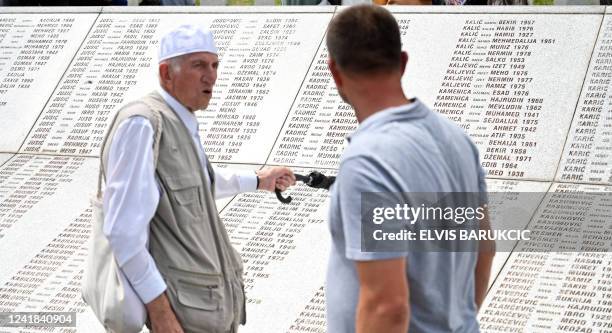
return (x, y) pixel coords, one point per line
(529, 85)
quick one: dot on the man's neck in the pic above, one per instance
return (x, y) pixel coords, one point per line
(170, 93)
(373, 92)
(370, 98)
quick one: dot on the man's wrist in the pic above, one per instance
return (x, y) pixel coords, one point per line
(159, 305)
(258, 180)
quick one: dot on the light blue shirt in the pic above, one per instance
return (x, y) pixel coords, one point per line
(404, 149)
(132, 194)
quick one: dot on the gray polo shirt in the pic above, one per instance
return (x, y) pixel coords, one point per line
(404, 149)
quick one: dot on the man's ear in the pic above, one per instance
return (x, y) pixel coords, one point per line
(164, 72)
(333, 68)
(404, 58)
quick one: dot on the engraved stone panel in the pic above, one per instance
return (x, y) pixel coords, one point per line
(558, 291)
(51, 279)
(550, 292)
(39, 197)
(4, 158)
(274, 239)
(572, 217)
(44, 273)
(45, 201)
(263, 59)
(520, 82)
(511, 79)
(506, 79)
(223, 202)
(587, 156)
(284, 247)
(316, 127)
(313, 317)
(511, 84)
(511, 211)
(35, 50)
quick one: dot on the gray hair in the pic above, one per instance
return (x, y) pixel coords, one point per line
(174, 64)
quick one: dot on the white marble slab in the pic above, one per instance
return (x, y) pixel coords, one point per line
(456, 64)
(312, 318)
(284, 248)
(35, 50)
(587, 156)
(314, 133)
(44, 229)
(546, 78)
(558, 291)
(299, 302)
(572, 217)
(512, 211)
(263, 58)
(223, 202)
(4, 158)
(45, 198)
(53, 216)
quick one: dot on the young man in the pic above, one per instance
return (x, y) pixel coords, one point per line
(161, 221)
(399, 146)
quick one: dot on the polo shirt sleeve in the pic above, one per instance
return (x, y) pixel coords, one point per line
(357, 175)
(482, 181)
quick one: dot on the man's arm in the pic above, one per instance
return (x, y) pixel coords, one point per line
(383, 304)
(130, 201)
(232, 182)
(486, 252)
(383, 296)
(163, 319)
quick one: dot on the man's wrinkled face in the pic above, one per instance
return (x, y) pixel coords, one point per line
(193, 81)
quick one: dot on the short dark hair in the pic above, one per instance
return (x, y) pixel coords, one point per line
(365, 39)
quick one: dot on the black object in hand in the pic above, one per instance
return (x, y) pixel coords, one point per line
(314, 179)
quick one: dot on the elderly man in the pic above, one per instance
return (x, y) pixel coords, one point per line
(160, 218)
(400, 147)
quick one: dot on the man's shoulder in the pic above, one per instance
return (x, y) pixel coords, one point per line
(143, 106)
(386, 140)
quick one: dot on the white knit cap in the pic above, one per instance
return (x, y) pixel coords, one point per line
(185, 39)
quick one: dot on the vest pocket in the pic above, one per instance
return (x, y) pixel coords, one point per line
(198, 298)
(185, 191)
(200, 301)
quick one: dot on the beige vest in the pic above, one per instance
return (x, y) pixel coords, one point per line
(187, 240)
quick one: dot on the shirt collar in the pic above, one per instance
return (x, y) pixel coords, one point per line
(406, 111)
(188, 118)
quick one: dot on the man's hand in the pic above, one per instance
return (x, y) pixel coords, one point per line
(271, 178)
(163, 319)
